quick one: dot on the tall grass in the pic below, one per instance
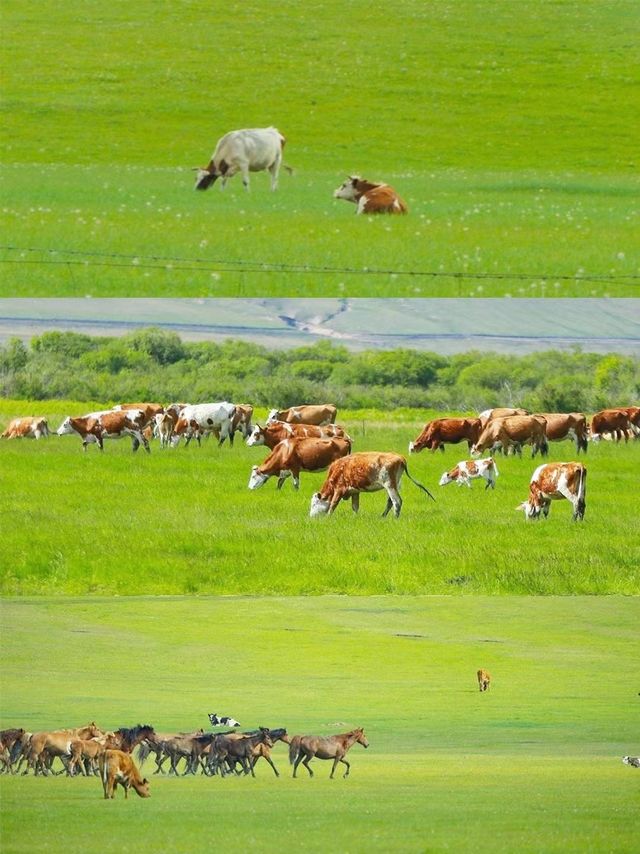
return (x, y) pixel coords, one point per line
(183, 521)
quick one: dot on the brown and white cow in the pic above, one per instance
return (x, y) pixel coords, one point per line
(107, 425)
(613, 421)
(367, 471)
(554, 481)
(277, 431)
(567, 425)
(634, 417)
(118, 768)
(447, 431)
(241, 421)
(467, 470)
(484, 679)
(292, 456)
(244, 151)
(149, 410)
(514, 431)
(307, 413)
(500, 412)
(33, 427)
(199, 419)
(369, 197)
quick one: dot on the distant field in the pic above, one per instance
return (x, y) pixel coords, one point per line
(509, 128)
(183, 521)
(533, 765)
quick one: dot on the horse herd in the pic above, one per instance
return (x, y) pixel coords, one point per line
(88, 751)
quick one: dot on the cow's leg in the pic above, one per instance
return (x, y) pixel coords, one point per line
(135, 442)
(273, 171)
(355, 502)
(388, 507)
(145, 443)
(245, 176)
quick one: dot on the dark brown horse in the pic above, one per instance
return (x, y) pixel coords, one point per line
(303, 748)
(126, 738)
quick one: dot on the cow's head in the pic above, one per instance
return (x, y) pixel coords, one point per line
(348, 190)
(273, 416)
(205, 177)
(476, 451)
(531, 509)
(257, 436)
(257, 479)
(446, 478)
(142, 788)
(65, 428)
(319, 506)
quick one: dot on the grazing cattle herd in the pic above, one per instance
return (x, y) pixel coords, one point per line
(90, 751)
(306, 438)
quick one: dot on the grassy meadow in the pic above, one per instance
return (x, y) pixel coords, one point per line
(532, 765)
(510, 129)
(183, 521)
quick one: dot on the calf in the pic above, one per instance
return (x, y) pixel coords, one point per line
(484, 680)
(292, 456)
(27, 428)
(117, 767)
(467, 470)
(370, 198)
(554, 481)
(244, 151)
(363, 472)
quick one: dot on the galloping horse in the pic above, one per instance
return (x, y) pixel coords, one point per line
(304, 747)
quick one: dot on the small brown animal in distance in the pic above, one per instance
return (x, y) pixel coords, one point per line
(484, 679)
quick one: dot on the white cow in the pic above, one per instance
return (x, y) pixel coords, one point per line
(250, 150)
(201, 418)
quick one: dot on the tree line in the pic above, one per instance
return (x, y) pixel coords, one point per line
(153, 364)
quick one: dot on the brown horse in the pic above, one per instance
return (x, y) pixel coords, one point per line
(45, 746)
(304, 747)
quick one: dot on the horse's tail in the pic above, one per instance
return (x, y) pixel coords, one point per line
(143, 751)
(423, 488)
(294, 748)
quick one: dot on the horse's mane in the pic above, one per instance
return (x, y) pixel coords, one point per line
(129, 734)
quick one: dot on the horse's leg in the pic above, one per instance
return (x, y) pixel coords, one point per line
(344, 762)
(306, 762)
(297, 762)
(270, 761)
(335, 762)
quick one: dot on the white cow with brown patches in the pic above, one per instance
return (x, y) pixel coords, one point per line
(96, 427)
(552, 482)
(244, 151)
(27, 428)
(468, 470)
(370, 198)
(367, 471)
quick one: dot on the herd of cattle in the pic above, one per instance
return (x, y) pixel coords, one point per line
(306, 438)
(260, 149)
(89, 750)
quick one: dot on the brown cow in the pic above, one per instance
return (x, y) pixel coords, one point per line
(484, 680)
(107, 425)
(513, 431)
(634, 417)
(307, 413)
(553, 481)
(277, 431)
(27, 428)
(369, 197)
(614, 421)
(450, 431)
(569, 425)
(292, 456)
(363, 472)
(117, 767)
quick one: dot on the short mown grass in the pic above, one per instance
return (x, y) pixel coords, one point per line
(183, 521)
(532, 765)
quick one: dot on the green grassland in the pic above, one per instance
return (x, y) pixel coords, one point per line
(183, 521)
(509, 128)
(532, 765)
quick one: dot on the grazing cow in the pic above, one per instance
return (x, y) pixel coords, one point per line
(363, 472)
(553, 481)
(633, 761)
(292, 456)
(107, 425)
(500, 412)
(318, 414)
(634, 417)
(164, 426)
(199, 419)
(277, 431)
(216, 720)
(467, 470)
(567, 425)
(450, 431)
(117, 767)
(370, 198)
(613, 421)
(250, 150)
(513, 431)
(27, 428)
(484, 680)
(241, 421)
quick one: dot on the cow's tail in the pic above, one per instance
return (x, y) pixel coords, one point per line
(289, 169)
(294, 748)
(417, 483)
